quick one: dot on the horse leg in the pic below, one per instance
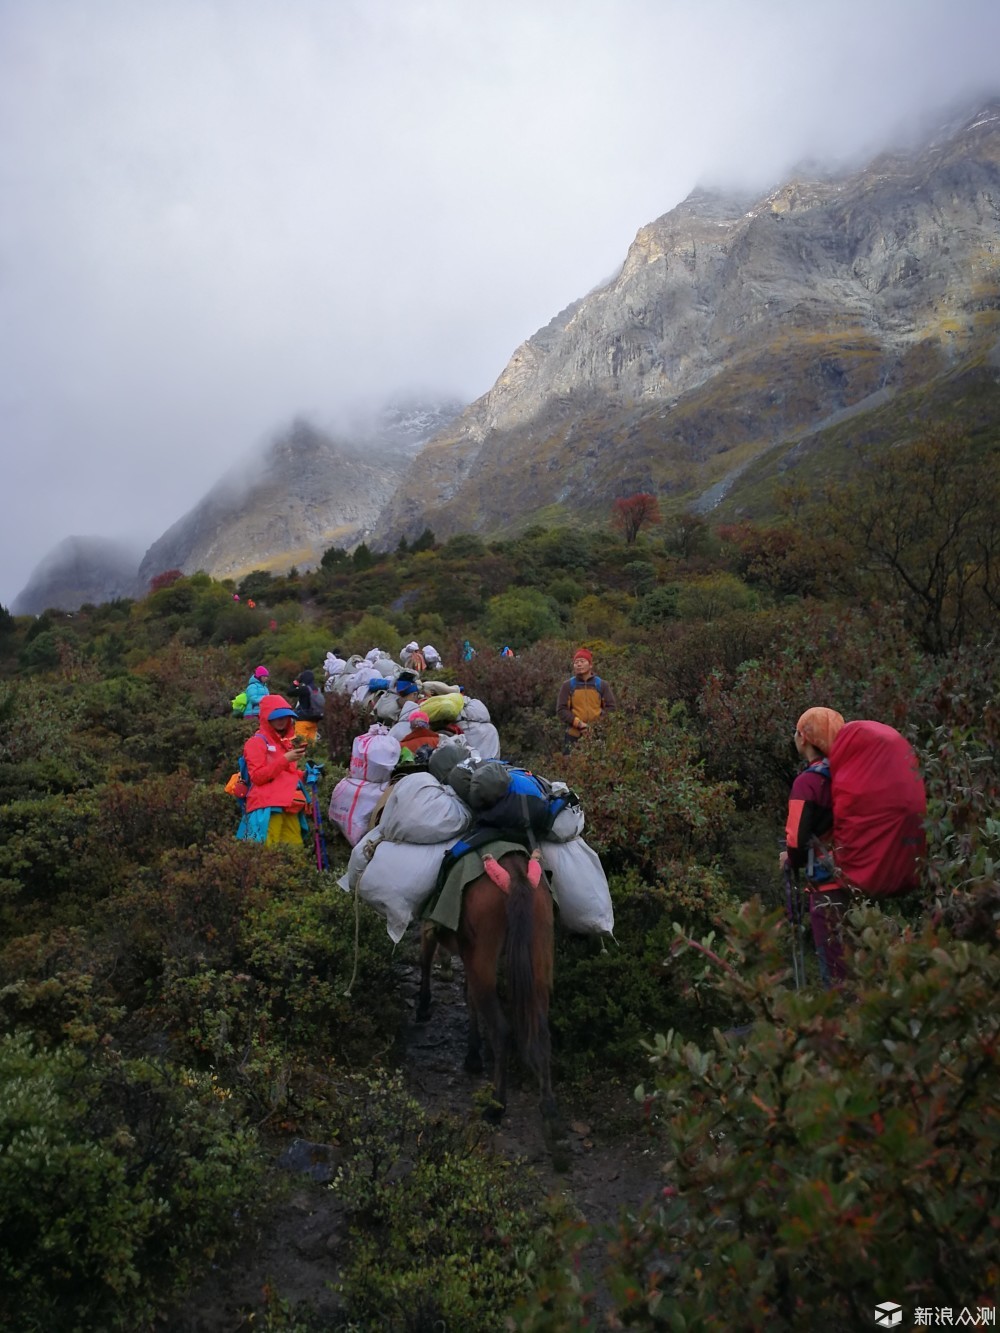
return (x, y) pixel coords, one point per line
(474, 1050)
(499, 1037)
(428, 947)
(485, 1011)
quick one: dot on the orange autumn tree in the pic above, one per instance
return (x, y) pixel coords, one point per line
(631, 513)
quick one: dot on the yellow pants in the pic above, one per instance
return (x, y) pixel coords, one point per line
(307, 729)
(283, 827)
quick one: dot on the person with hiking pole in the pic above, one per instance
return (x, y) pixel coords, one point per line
(583, 699)
(276, 800)
(809, 822)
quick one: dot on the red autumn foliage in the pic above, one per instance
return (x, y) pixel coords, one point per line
(164, 580)
(631, 513)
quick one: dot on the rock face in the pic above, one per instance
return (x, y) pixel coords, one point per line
(734, 325)
(77, 571)
(310, 491)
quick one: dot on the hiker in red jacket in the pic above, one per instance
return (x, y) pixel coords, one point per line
(809, 822)
(276, 800)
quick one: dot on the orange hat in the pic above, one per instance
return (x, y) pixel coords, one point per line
(820, 728)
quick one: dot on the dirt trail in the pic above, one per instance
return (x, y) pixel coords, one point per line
(296, 1254)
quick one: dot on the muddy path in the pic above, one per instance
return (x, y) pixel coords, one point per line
(609, 1165)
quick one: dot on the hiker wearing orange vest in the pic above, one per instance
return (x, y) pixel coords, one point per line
(583, 699)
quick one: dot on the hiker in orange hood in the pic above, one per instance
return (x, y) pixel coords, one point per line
(807, 831)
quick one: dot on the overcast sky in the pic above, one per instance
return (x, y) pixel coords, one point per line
(218, 214)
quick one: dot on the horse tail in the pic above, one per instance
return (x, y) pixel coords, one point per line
(529, 963)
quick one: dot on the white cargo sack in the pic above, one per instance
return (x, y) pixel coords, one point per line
(398, 878)
(387, 706)
(567, 825)
(352, 805)
(474, 711)
(579, 886)
(374, 755)
(419, 809)
(363, 852)
(482, 737)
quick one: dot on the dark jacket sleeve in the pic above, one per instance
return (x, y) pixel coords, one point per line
(809, 816)
(563, 710)
(607, 696)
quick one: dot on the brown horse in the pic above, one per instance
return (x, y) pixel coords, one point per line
(508, 908)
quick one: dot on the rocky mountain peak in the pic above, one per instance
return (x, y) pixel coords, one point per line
(735, 323)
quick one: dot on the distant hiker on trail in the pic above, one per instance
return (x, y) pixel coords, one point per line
(412, 659)
(276, 800)
(506, 651)
(468, 652)
(309, 706)
(256, 691)
(810, 820)
(583, 699)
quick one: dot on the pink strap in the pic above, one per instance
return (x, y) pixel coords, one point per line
(534, 870)
(496, 872)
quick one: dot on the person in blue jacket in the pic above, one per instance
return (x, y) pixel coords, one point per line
(256, 690)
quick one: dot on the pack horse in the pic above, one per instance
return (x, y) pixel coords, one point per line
(506, 912)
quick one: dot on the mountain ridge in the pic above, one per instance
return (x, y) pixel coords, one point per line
(744, 335)
(736, 322)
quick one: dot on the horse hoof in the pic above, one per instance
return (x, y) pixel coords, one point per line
(423, 1014)
(493, 1113)
(473, 1064)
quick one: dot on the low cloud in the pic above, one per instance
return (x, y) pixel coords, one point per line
(221, 216)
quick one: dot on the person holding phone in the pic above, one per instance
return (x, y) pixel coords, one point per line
(276, 800)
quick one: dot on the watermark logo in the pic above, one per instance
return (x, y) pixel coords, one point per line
(888, 1314)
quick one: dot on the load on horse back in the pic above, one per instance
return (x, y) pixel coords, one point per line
(506, 910)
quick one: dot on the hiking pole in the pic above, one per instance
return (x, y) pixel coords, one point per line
(313, 773)
(793, 910)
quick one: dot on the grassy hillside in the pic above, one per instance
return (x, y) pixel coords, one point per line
(176, 1006)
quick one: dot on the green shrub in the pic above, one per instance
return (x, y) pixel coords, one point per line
(372, 631)
(609, 996)
(843, 1151)
(656, 606)
(119, 1181)
(647, 798)
(713, 595)
(520, 617)
(442, 1230)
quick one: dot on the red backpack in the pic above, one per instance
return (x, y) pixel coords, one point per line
(879, 804)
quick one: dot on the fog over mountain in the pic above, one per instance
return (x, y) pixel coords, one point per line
(222, 218)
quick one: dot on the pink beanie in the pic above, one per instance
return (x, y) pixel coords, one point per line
(418, 718)
(261, 673)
